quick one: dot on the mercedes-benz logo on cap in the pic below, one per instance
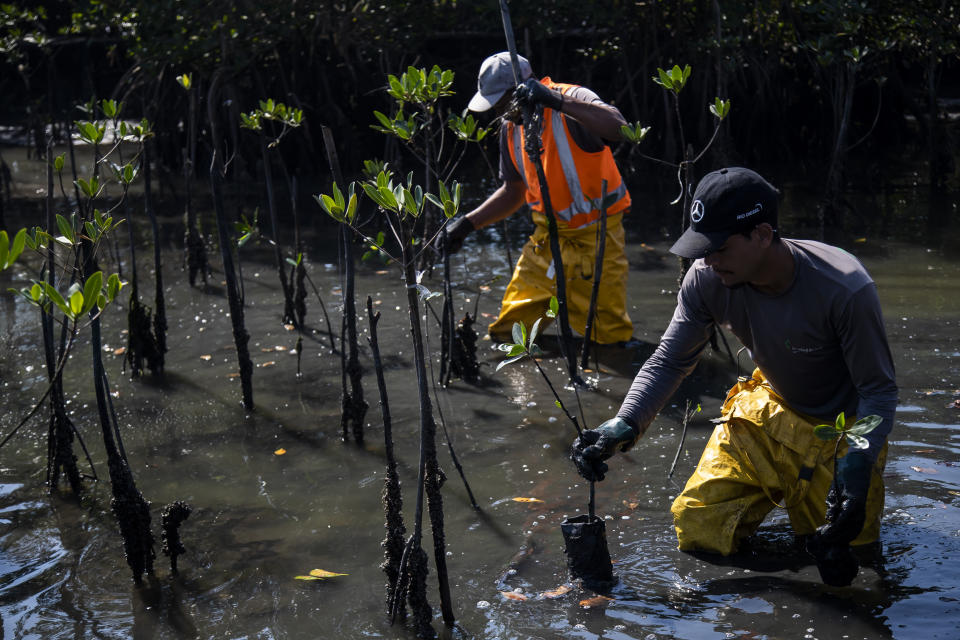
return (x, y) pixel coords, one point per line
(696, 211)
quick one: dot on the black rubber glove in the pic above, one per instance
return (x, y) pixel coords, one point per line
(457, 231)
(846, 513)
(533, 92)
(596, 445)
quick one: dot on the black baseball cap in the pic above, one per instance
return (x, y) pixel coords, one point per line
(726, 202)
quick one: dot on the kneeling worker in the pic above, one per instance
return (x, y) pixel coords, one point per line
(810, 317)
(576, 159)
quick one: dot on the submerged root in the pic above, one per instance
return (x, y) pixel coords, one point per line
(133, 515)
(171, 517)
(393, 542)
(419, 606)
(60, 456)
(463, 363)
(141, 342)
(196, 257)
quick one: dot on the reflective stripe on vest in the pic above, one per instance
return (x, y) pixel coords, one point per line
(577, 209)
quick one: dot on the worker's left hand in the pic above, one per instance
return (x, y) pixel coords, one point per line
(846, 514)
(533, 92)
(596, 445)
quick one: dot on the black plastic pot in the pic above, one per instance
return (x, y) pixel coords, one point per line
(587, 555)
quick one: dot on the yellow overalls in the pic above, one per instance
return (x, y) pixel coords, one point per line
(763, 455)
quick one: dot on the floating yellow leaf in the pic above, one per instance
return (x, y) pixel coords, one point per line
(268, 364)
(513, 595)
(306, 578)
(320, 573)
(206, 357)
(527, 500)
(859, 240)
(556, 593)
(596, 601)
(924, 469)
(279, 452)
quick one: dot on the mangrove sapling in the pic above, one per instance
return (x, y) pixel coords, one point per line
(353, 407)
(423, 134)
(673, 81)
(391, 497)
(286, 118)
(402, 206)
(836, 562)
(217, 172)
(588, 557)
(194, 249)
(604, 202)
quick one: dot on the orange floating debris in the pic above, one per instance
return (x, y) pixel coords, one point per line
(119, 351)
(596, 601)
(556, 593)
(279, 452)
(527, 500)
(513, 595)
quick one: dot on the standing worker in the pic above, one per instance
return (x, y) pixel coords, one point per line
(576, 159)
(810, 317)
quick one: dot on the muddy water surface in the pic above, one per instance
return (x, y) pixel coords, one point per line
(260, 518)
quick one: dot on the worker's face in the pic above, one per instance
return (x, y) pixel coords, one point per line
(740, 259)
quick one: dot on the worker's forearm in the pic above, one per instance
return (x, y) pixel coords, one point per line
(501, 204)
(600, 119)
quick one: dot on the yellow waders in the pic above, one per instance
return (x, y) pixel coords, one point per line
(527, 297)
(763, 455)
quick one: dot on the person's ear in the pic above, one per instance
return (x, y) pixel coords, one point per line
(764, 234)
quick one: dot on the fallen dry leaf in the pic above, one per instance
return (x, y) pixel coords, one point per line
(513, 595)
(527, 500)
(233, 375)
(205, 357)
(954, 493)
(382, 272)
(484, 287)
(924, 469)
(279, 452)
(266, 349)
(485, 314)
(280, 347)
(119, 351)
(268, 364)
(289, 327)
(556, 593)
(320, 573)
(596, 601)
(631, 505)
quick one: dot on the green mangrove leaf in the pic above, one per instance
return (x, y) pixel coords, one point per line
(518, 333)
(841, 421)
(534, 331)
(113, 286)
(66, 229)
(857, 442)
(91, 291)
(58, 163)
(554, 307)
(825, 431)
(863, 426)
(503, 363)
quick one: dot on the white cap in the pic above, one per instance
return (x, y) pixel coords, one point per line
(496, 78)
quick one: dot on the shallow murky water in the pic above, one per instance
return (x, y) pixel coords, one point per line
(260, 518)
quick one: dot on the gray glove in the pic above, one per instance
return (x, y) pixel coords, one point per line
(457, 231)
(596, 445)
(846, 513)
(533, 92)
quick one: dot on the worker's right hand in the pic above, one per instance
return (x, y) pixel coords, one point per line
(596, 445)
(457, 231)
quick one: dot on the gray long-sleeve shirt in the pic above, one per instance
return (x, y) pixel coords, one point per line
(821, 343)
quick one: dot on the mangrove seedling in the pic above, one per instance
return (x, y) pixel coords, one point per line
(854, 434)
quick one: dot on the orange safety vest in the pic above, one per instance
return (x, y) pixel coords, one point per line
(574, 176)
